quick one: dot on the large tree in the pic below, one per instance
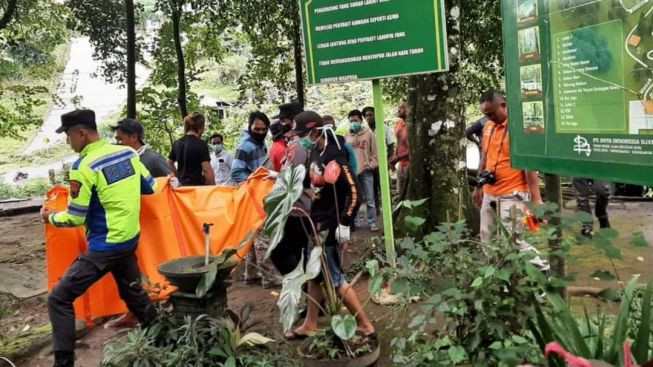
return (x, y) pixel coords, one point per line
(110, 26)
(276, 47)
(437, 106)
(30, 31)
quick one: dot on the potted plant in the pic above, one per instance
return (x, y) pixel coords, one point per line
(338, 344)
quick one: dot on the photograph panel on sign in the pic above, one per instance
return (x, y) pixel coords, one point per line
(529, 45)
(526, 11)
(531, 81)
(533, 113)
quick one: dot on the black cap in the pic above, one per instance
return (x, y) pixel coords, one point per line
(276, 130)
(131, 126)
(289, 110)
(305, 122)
(77, 117)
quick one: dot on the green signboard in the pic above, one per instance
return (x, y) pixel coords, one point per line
(347, 40)
(579, 83)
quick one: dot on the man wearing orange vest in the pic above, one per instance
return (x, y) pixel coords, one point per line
(500, 186)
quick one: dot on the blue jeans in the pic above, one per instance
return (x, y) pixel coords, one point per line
(366, 180)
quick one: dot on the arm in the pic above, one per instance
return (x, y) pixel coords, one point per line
(148, 184)
(374, 153)
(209, 175)
(207, 170)
(81, 182)
(473, 132)
(533, 181)
(173, 169)
(348, 179)
(239, 170)
(172, 158)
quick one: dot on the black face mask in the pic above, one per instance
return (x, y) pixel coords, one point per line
(259, 138)
(286, 128)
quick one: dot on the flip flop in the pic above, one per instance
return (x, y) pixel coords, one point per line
(295, 336)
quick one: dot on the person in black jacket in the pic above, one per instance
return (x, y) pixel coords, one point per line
(332, 221)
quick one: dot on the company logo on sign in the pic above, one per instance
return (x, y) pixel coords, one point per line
(582, 146)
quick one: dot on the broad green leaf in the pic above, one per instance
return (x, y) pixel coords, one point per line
(279, 204)
(477, 282)
(413, 223)
(410, 204)
(417, 321)
(291, 290)
(344, 327)
(641, 344)
(457, 354)
(376, 285)
(372, 267)
(603, 275)
(621, 324)
(207, 281)
(399, 285)
(253, 339)
(639, 240)
(231, 362)
(496, 345)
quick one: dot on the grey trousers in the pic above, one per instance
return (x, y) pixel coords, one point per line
(602, 191)
(82, 274)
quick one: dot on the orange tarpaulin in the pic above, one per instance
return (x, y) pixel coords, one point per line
(171, 227)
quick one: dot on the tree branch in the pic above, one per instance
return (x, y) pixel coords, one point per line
(9, 14)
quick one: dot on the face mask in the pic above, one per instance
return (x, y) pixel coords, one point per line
(307, 143)
(217, 148)
(355, 126)
(259, 138)
(287, 128)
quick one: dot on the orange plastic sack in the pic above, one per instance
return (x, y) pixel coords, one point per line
(171, 227)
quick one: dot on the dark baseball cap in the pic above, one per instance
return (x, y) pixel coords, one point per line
(289, 110)
(131, 126)
(77, 117)
(305, 122)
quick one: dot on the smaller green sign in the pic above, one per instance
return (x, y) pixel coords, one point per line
(348, 40)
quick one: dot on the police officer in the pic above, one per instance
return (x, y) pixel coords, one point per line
(106, 183)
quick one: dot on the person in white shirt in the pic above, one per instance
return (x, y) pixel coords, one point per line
(221, 161)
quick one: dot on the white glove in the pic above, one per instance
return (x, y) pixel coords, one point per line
(174, 182)
(343, 234)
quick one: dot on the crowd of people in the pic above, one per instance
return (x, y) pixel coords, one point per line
(107, 181)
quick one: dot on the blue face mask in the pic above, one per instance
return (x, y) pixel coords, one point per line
(217, 148)
(355, 126)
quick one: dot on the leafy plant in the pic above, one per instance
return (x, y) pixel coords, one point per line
(202, 341)
(484, 293)
(278, 206)
(598, 337)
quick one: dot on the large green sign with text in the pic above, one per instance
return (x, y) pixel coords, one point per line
(347, 40)
(579, 83)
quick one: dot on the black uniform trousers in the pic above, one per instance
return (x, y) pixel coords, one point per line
(602, 191)
(82, 274)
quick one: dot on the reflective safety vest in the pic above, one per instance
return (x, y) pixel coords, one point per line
(106, 184)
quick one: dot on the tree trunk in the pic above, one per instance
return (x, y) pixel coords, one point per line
(297, 47)
(554, 195)
(8, 14)
(181, 63)
(131, 59)
(436, 127)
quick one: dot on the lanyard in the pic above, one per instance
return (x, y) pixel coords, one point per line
(489, 143)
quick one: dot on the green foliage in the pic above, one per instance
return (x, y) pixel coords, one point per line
(483, 293)
(27, 52)
(32, 188)
(220, 264)
(202, 341)
(325, 344)
(105, 23)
